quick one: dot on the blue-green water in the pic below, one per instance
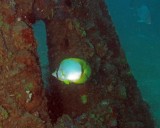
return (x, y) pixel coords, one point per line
(141, 43)
(42, 49)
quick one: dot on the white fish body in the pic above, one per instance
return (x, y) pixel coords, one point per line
(69, 70)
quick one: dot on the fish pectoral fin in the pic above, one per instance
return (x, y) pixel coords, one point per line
(54, 74)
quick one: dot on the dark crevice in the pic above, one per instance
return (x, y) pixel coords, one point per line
(54, 102)
(55, 107)
(68, 3)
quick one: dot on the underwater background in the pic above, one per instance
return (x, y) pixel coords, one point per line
(138, 28)
(141, 43)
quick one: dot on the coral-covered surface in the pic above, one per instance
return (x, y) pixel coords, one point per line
(22, 101)
(75, 28)
(83, 28)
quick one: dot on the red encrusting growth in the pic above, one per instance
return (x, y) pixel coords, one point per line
(27, 35)
(29, 18)
(10, 19)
